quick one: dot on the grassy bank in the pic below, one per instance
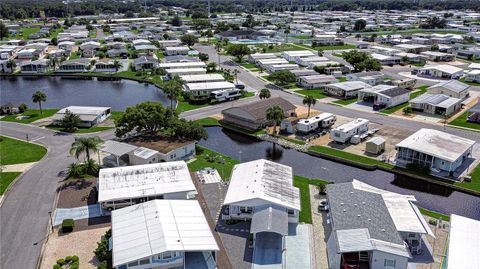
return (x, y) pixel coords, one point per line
(93, 129)
(208, 122)
(13, 151)
(475, 184)
(32, 114)
(349, 156)
(434, 214)
(6, 178)
(303, 184)
(209, 158)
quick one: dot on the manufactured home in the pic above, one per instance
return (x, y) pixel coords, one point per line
(436, 104)
(344, 132)
(128, 185)
(347, 89)
(162, 234)
(204, 89)
(89, 115)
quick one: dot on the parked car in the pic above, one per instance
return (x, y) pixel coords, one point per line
(322, 205)
(350, 261)
(379, 106)
(240, 86)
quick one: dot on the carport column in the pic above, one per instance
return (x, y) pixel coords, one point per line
(118, 161)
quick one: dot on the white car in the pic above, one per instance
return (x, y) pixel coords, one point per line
(322, 205)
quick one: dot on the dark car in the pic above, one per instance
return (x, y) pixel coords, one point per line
(240, 86)
(379, 106)
(414, 72)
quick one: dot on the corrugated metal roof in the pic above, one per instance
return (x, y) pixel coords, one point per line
(117, 148)
(157, 226)
(270, 219)
(353, 240)
(464, 243)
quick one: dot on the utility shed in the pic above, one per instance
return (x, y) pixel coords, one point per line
(464, 243)
(158, 234)
(375, 145)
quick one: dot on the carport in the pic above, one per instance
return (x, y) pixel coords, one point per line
(269, 226)
(117, 149)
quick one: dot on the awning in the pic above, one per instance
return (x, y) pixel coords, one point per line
(117, 148)
(270, 219)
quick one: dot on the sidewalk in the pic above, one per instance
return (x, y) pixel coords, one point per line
(21, 167)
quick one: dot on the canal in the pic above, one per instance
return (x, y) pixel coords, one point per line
(62, 92)
(429, 196)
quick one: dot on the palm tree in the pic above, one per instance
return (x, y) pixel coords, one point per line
(11, 64)
(358, 36)
(117, 65)
(309, 101)
(287, 31)
(264, 94)
(39, 97)
(275, 114)
(173, 89)
(85, 145)
(218, 48)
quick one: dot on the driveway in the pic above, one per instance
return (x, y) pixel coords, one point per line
(82, 212)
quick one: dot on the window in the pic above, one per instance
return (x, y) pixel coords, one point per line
(167, 255)
(132, 264)
(144, 261)
(246, 209)
(389, 263)
(291, 212)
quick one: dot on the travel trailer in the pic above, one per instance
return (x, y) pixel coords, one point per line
(225, 95)
(343, 133)
(323, 120)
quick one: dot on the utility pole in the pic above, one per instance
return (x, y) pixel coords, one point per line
(208, 8)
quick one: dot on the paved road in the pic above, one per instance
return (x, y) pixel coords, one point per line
(24, 213)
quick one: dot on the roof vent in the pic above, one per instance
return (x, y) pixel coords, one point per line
(358, 215)
(369, 219)
(351, 192)
(344, 210)
(363, 203)
(341, 203)
(383, 230)
(355, 204)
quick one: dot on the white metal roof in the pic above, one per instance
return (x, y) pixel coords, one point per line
(352, 85)
(84, 110)
(445, 68)
(117, 148)
(203, 77)
(299, 53)
(404, 213)
(182, 65)
(438, 144)
(157, 226)
(217, 85)
(144, 153)
(351, 125)
(265, 180)
(354, 240)
(464, 243)
(143, 180)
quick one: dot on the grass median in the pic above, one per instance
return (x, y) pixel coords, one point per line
(315, 93)
(13, 151)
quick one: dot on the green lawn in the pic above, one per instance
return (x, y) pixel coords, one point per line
(55, 33)
(462, 121)
(250, 66)
(93, 129)
(342, 79)
(303, 183)
(304, 37)
(183, 106)
(160, 54)
(349, 156)
(475, 184)
(26, 32)
(433, 214)
(116, 114)
(278, 48)
(74, 55)
(295, 141)
(469, 82)
(338, 47)
(208, 122)
(209, 158)
(13, 151)
(34, 115)
(345, 102)
(317, 94)
(6, 178)
(419, 91)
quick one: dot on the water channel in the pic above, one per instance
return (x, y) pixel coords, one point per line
(429, 196)
(62, 92)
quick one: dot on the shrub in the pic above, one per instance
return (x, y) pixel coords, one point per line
(70, 262)
(22, 108)
(61, 262)
(432, 222)
(56, 266)
(67, 225)
(407, 110)
(423, 169)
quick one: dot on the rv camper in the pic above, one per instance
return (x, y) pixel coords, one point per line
(224, 95)
(343, 133)
(323, 120)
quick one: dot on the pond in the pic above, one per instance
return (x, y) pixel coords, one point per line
(62, 92)
(429, 196)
